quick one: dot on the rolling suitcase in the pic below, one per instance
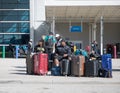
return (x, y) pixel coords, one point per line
(65, 67)
(91, 68)
(50, 61)
(110, 49)
(118, 46)
(118, 49)
(29, 64)
(107, 65)
(40, 64)
(77, 65)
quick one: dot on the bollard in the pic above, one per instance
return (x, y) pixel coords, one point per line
(3, 52)
(115, 52)
(74, 48)
(17, 48)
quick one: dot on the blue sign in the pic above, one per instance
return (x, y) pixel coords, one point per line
(75, 29)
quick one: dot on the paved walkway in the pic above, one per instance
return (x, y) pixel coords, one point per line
(13, 79)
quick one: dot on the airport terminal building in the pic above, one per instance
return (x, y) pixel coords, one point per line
(81, 21)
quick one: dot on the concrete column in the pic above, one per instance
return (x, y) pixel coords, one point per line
(32, 20)
(39, 12)
(39, 19)
(90, 34)
(53, 25)
(94, 31)
(101, 35)
(115, 52)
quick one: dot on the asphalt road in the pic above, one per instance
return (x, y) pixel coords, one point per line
(13, 79)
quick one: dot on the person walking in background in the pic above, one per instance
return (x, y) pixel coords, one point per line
(29, 58)
(10, 51)
(30, 46)
(95, 48)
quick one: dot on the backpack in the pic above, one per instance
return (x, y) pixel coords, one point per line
(70, 44)
(49, 42)
(56, 71)
(84, 53)
(77, 52)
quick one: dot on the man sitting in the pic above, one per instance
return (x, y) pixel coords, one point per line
(62, 52)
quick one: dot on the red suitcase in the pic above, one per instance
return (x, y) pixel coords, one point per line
(40, 64)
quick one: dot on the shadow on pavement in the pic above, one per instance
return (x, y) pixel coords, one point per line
(19, 73)
(20, 70)
(19, 66)
(115, 69)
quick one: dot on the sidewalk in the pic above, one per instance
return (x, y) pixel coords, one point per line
(13, 79)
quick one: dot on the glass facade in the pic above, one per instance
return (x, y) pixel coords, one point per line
(14, 15)
(14, 21)
(14, 4)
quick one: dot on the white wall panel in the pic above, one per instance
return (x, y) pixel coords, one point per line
(81, 2)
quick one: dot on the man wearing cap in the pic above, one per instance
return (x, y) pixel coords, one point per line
(59, 39)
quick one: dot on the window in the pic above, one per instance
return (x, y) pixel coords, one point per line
(14, 39)
(14, 25)
(14, 15)
(10, 4)
(14, 28)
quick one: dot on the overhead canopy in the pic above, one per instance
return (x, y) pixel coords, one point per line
(88, 13)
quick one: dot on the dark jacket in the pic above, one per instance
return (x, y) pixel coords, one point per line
(63, 50)
(58, 44)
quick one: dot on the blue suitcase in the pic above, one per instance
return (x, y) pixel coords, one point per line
(107, 65)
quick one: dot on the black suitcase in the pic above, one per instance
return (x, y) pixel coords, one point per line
(118, 49)
(91, 68)
(50, 61)
(29, 64)
(65, 67)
